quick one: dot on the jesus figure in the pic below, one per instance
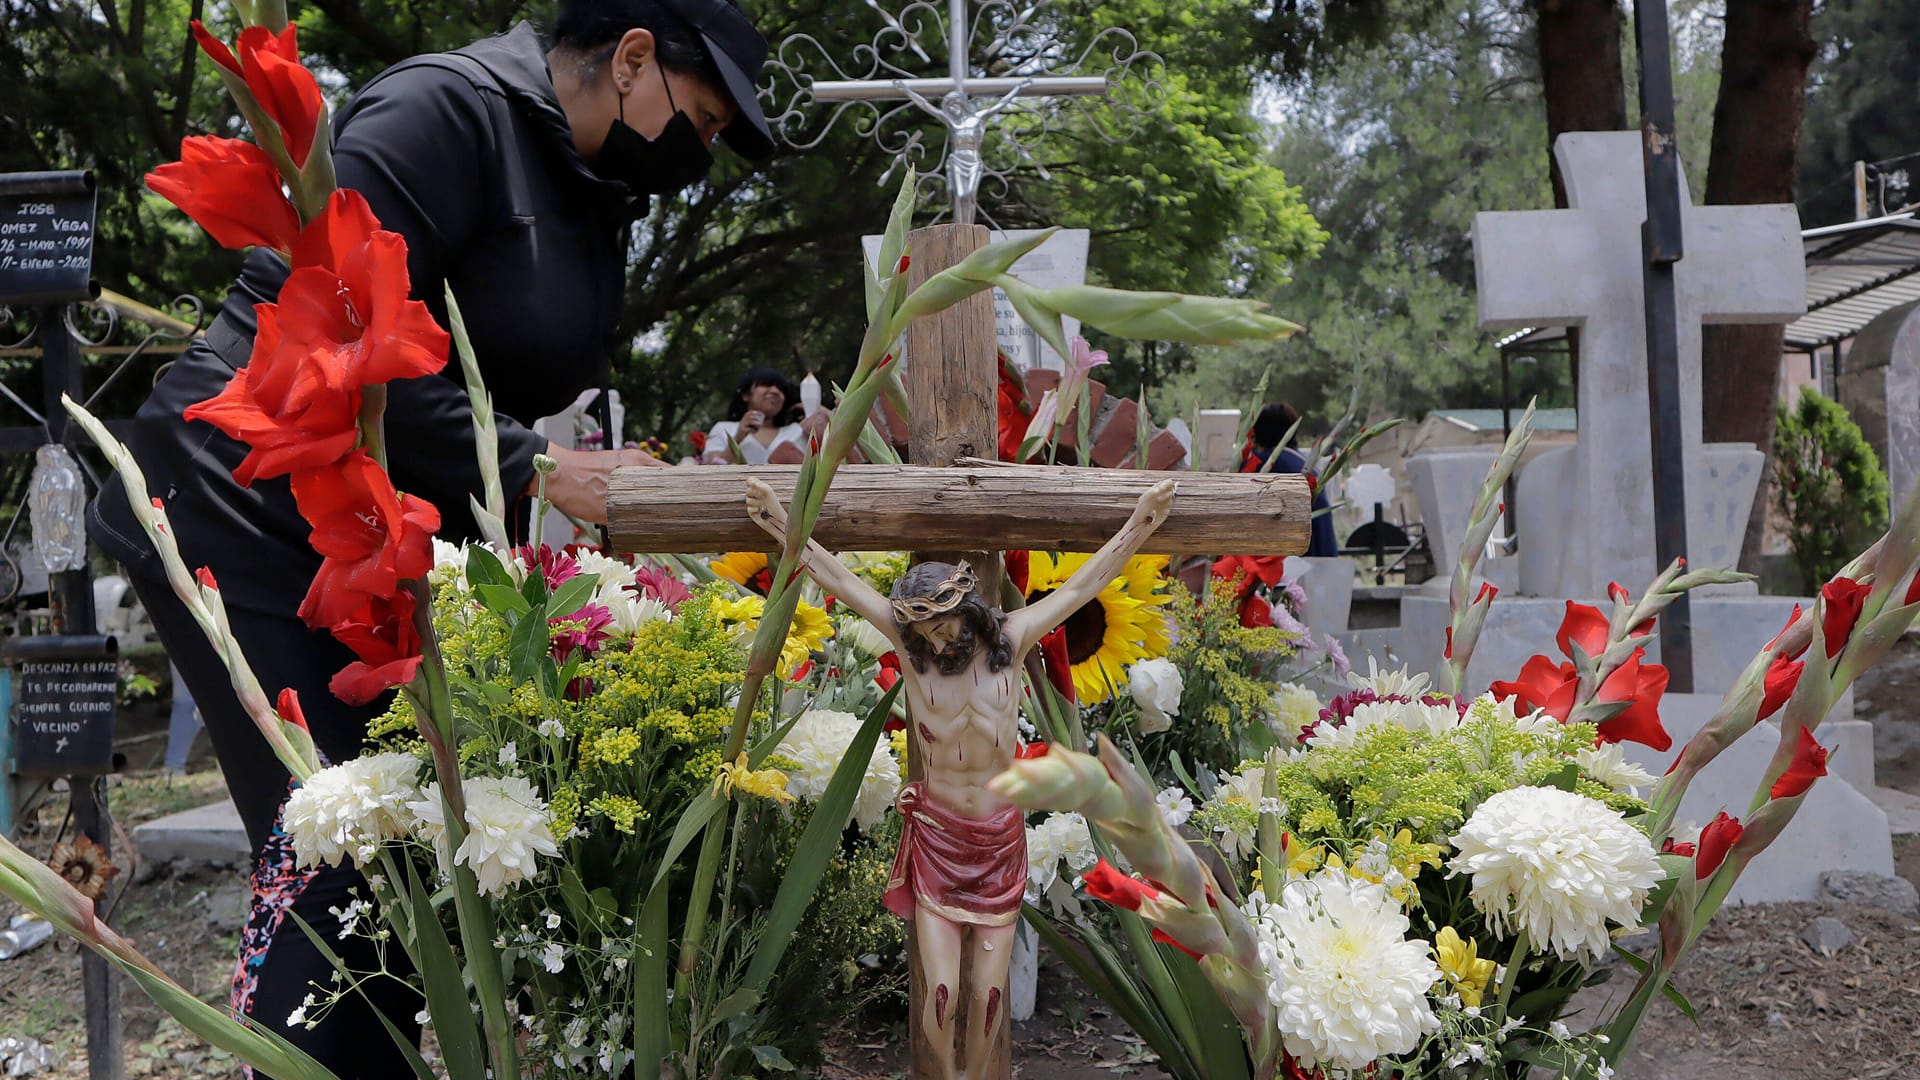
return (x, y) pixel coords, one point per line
(962, 865)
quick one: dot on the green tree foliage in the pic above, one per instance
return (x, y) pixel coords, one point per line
(1861, 106)
(1396, 151)
(753, 267)
(1830, 489)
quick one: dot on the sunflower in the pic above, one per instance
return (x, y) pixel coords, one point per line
(1117, 628)
(84, 865)
(809, 632)
(747, 569)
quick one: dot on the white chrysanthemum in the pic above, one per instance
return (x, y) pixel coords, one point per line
(1537, 722)
(862, 635)
(631, 611)
(1156, 686)
(1558, 865)
(613, 574)
(508, 828)
(1347, 985)
(1059, 838)
(1410, 715)
(351, 808)
(1389, 683)
(1295, 708)
(1609, 765)
(449, 564)
(818, 742)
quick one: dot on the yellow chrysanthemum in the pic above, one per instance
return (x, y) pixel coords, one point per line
(810, 630)
(1119, 627)
(1460, 962)
(741, 567)
(763, 783)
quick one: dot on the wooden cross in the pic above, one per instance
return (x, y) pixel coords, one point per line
(950, 504)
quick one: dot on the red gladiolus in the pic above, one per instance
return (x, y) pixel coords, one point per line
(1913, 592)
(1017, 569)
(1843, 599)
(231, 189)
(286, 90)
(699, 441)
(382, 634)
(370, 536)
(1447, 653)
(1683, 850)
(1256, 612)
(1618, 592)
(1167, 939)
(1010, 412)
(1104, 882)
(1809, 764)
(1059, 665)
(1032, 750)
(1715, 841)
(352, 297)
(1542, 684)
(285, 406)
(893, 724)
(1640, 685)
(288, 708)
(1265, 569)
(1584, 624)
(800, 673)
(205, 577)
(887, 678)
(1782, 676)
(1791, 619)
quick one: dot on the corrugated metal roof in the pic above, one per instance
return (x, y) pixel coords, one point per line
(1855, 272)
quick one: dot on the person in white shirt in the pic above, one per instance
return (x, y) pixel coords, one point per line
(765, 413)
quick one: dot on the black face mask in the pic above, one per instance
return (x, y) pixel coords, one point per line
(676, 159)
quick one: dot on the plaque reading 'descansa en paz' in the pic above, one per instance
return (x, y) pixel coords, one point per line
(63, 715)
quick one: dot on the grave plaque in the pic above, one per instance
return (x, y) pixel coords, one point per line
(63, 715)
(1062, 260)
(46, 237)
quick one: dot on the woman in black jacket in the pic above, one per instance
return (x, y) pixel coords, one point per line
(513, 168)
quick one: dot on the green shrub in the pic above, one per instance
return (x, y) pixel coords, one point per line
(1829, 486)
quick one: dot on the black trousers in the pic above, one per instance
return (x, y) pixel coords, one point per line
(278, 965)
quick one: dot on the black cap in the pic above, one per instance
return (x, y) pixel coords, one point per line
(739, 52)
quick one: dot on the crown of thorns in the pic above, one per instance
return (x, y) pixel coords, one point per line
(944, 598)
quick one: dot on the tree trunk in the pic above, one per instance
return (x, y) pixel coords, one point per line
(1754, 159)
(1583, 81)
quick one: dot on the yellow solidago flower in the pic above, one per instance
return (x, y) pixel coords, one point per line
(1461, 964)
(764, 783)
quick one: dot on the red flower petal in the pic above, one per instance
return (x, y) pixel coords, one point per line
(1542, 684)
(215, 49)
(285, 89)
(1809, 764)
(1715, 841)
(371, 537)
(1791, 619)
(1058, 664)
(205, 577)
(1585, 624)
(1682, 849)
(1017, 569)
(1103, 882)
(288, 706)
(1843, 598)
(1031, 750)
(1782, 676)
(383, 636)
(231, 189)
(1640, 684)
(1167, 939)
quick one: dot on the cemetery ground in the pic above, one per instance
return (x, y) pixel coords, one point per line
(1769, 1005)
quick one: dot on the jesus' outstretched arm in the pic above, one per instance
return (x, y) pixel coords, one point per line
(1030, 624)
(763, 506)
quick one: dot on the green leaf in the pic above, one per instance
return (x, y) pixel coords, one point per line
(770, 1057)
(735, 1004)
(528, 644)
(1641, 965)
(502, 599)
(1118, 985)
(1221, 1048)
(572, 593)
(447, 1003)
(816, 848)
(483, 567)
(650, 1031)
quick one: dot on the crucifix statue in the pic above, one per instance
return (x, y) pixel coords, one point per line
(962, 865)
(963, 103)
(953, 509)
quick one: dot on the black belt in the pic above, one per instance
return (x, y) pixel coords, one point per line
(230, 345)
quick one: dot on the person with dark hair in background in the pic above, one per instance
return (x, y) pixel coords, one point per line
(764, 413)
(513, 168)
(1272, 426)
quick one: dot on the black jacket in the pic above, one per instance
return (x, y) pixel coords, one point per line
(468, 155)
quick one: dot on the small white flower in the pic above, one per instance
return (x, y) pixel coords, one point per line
(1609, 765)
(1058, 838)
(508, 828)
(348, 810)
(1558, 865)
(1604, 1071)
(1559, 1031)
(1347, 984)
(449, 565)
(1156, 685)
(576, 1033)
(553, 958)
(509, 755)
(553, 920)
(1175, 806)
(817, 743)
(552, 729)
(423, 1017)
(1476, 1052)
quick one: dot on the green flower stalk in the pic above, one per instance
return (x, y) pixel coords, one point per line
(1470, 616)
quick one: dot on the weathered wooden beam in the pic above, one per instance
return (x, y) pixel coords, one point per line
(979, 505)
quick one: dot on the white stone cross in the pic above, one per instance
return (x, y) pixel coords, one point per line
(1589, 520)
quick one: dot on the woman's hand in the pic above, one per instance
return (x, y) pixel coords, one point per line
(578, 487)
(753, 421)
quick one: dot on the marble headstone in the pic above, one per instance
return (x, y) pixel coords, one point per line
(1880, 387)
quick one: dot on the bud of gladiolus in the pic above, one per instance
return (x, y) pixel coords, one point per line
(1782, 676)
(1618, 592)
(1809, 764)
(1031, 750)
(1488, 590)
(1103, 882)
(905, 261)
(205, 577)
(1683, 849)
(1715, 841)
(1842, 599)
(287, 707)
